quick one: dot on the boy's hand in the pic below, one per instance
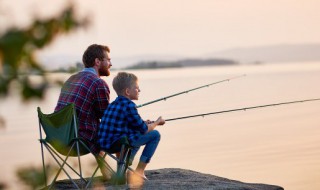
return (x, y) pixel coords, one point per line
(160, 121)
(148, 122)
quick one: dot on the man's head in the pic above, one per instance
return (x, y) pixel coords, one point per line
(97, 56)
(126, 84)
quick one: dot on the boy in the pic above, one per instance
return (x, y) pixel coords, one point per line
(121, 118)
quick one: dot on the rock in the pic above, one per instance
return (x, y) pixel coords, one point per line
(173, 178)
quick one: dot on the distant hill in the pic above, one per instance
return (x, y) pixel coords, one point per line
(273, 53)
(53, 62)
(261, 54)
(181, 63)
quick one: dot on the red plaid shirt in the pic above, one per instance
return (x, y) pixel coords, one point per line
(90, 94)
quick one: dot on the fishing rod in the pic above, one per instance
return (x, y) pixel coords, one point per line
(184, 92)
(243, 109)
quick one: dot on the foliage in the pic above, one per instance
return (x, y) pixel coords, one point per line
(33, 177)
(18, 48)
(2, 186)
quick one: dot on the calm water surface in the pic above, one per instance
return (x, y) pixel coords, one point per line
(276, 145)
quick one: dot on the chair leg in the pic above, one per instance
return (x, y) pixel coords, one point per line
(122, 165)
(79, 161)
(43, 165)
(61, 159)
(100, 160)
(61, 165)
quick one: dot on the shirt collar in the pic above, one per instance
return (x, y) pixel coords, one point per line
(91, 70)
(124, 98)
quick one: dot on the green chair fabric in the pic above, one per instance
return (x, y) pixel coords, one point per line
(61, 130)
(62, 141)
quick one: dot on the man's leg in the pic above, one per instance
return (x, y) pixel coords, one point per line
(106, 174)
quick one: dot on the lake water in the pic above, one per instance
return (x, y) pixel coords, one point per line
(275, 145)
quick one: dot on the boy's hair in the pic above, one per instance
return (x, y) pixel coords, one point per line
(122, 81)
(92, 52)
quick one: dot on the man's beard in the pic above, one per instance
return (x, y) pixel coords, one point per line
(104, 71)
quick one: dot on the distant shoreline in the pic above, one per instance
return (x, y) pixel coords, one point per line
(181, 63)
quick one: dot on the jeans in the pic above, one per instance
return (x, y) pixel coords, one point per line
(151, 140)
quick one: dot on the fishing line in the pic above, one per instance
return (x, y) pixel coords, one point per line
(243, 109)
(187, 91)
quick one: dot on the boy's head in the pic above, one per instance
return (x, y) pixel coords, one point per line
(126, 84)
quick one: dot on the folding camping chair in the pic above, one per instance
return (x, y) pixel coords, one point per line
(62, 142)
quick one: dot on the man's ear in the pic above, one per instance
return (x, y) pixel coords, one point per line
(97, 61)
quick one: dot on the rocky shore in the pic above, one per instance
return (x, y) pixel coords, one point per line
(173, 178)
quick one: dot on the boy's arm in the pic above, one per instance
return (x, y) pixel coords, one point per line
(135, 122)
(152, 125)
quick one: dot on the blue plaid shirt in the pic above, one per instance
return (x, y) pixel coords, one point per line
(121, 118)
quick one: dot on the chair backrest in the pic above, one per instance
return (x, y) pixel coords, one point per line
(61, 129)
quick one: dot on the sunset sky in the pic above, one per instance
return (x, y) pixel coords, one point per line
(175, 27)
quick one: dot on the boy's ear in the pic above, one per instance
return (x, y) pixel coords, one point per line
(126, 91)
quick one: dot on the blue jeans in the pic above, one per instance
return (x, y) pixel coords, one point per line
(151, 140)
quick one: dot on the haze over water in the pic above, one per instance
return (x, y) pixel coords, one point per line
(275, 145)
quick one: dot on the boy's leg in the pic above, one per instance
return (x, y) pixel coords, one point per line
(133, 153)
(151, 140)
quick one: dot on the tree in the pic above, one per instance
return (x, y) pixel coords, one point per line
(18, 47)
(18, 62)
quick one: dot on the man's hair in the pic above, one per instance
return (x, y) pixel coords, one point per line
(122, 81)
(92, 52)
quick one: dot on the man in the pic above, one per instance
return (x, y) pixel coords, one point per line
(90, 94)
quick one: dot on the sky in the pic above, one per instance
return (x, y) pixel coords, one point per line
(169, 28)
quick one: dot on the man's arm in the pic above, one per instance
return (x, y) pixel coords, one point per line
(102, 98)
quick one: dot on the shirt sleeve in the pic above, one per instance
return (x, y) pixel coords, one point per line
(102, 97)
(134, 119)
